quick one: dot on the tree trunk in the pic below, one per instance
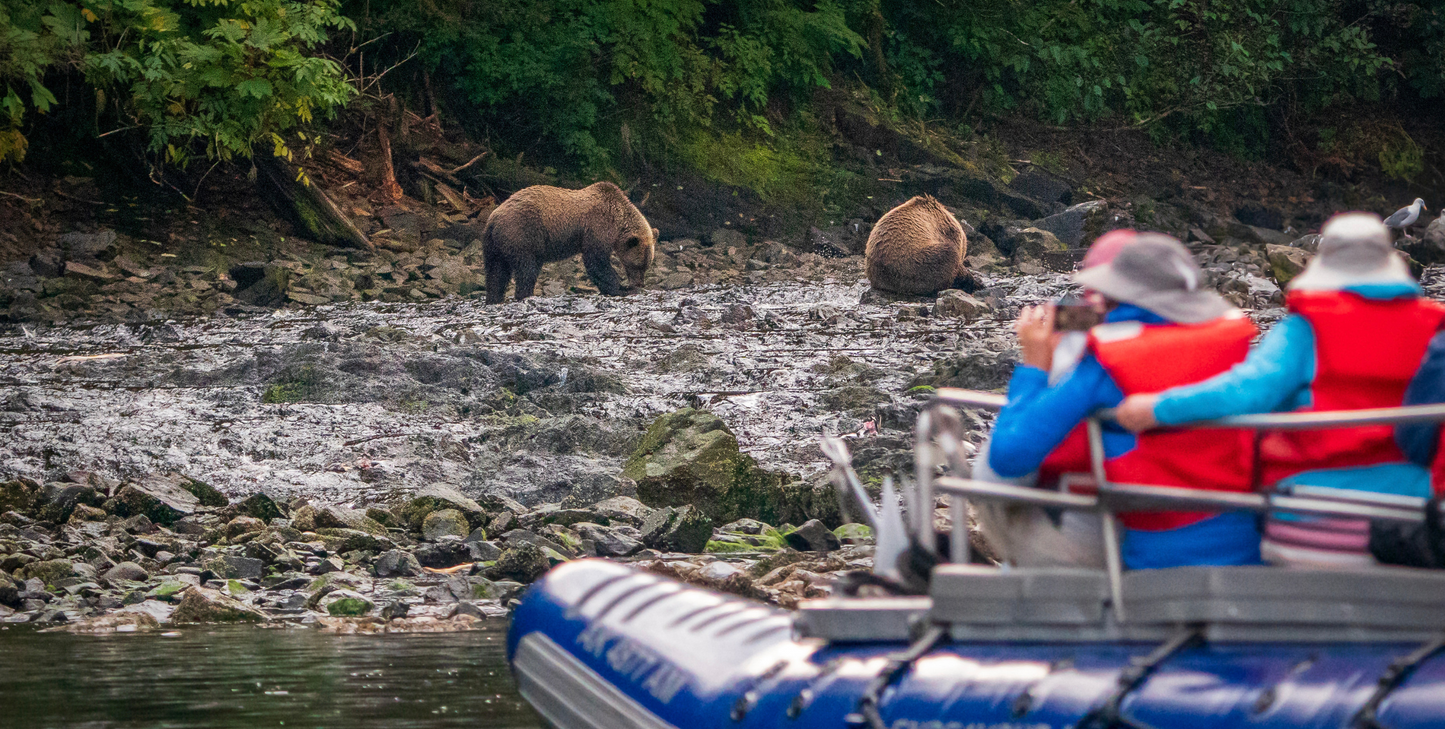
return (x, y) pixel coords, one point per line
(307, 205)
(389, 187)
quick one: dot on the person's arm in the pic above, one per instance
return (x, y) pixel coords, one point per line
(1419, 440)
(1269, 379)
(1037, 417)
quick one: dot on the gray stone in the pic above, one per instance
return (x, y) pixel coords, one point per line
(326, 566)
(57, 501)
(204, 605)
(623, 509)
(158, 498)
(437, 497)
(1286, 262)
(956, 304)
(236, 567)
(397, 563)
(395, 610)
(260, 506)
(1033, 244)
(812, 536)
(523, 562)
(1072, 225)
(685, 529)
(444, 523)
(725, 237)
(126, 572)
(99, 245)
(484, 551)
(608, 542)
(446, 551)
(745, 526)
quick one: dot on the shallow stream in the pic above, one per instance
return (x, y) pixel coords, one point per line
(215, 677)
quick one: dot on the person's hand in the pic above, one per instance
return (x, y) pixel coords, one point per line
(1137, 412)
(1037, 338)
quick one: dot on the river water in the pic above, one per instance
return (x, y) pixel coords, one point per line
(252, 677)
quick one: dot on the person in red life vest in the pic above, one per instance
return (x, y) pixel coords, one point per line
(1161, 326)
(1355, 334)
(1028, 536)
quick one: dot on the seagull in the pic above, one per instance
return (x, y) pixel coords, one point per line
(1406, 217)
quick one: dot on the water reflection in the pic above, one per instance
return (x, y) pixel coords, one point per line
(251, 677)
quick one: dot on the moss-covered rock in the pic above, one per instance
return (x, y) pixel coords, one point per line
(690, 457)
(203, 605)
(685, 529)
(444, 523)
(523, 562)
(259, 505)
(437, 497)
(48, 571)
(17, 495)
(204, 492)
(346, 603)
(158, 498)
(349, 540)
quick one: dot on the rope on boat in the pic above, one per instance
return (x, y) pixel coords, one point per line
(1106, 715)
(1399, 670)
(898, 664)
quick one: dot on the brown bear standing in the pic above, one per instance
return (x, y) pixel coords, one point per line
(540, 224)
(917, 248)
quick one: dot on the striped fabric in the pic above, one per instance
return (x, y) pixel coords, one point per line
(1317, 542)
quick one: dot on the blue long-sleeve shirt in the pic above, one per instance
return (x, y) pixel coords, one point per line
(1418, 441)
(1276, 377)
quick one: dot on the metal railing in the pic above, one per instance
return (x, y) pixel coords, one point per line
(938, 439)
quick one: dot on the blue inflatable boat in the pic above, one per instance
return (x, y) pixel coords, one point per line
(598, 644)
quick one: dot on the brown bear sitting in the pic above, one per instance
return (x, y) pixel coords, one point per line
(917, 248)
(540, 224)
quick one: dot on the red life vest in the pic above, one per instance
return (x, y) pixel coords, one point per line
(1070, 457)
(1366, 351)
(1149, 358)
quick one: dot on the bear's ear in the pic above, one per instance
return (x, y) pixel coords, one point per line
(656, 234)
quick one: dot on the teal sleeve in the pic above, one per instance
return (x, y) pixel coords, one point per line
(1275, 376)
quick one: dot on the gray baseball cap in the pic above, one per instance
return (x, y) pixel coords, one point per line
(1156, 272)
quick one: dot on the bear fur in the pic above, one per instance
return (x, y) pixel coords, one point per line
(917, 248)
(540, 224)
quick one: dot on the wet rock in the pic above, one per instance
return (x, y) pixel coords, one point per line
(138, 524)
(326, 566)
(483, 551)
(981, 370)
(396, 563)
(134, 622)
(100, 245)
(437, 497)
(523, 562)
(691, 457)
(126, 572)
(348, 540)
(236, 567)
(204, 605)
(9, 590)
(395, 610)
(57, 501)
(1035, 244)
(958, 305)
(205, 493)
(261, 284)
(1429, 247)
(345, 603)
(84, 513)
(446, 551)
(623, 509)
(158, 498)
(608, 542)
(17, 495)
(382, 517)
(685, 529)
(812, 536)
(443, 523)
(48, 572)
(159, 611)
(260, 506)
(1286, 262)
(1076, 223)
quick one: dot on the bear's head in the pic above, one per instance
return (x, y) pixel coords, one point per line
(636, 253)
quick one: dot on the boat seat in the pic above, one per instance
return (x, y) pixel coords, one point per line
(1260, 602)
(1018, 596)
(860, 619)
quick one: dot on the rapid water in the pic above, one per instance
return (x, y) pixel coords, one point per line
(214, 677)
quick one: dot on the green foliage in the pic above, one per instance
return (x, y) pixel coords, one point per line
(214, 76)
(1402, 157)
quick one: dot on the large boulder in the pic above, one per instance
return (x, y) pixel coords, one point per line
(1036, 244)
(159, 498)
(260, 506)
(1429, 247)
(437, 497)
(396, 563)
(9, 590)
(203, 605)
(56, 501)
(690, 457)
(609, 542)
(345, 603)
(204, 492)
(812, 536)
(955, 304)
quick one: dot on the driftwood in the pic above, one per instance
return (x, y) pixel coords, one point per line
(307, 205)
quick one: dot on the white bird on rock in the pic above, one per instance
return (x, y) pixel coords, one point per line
(1406, 217)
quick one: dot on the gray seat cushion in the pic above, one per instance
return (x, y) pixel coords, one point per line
(1028, 596)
